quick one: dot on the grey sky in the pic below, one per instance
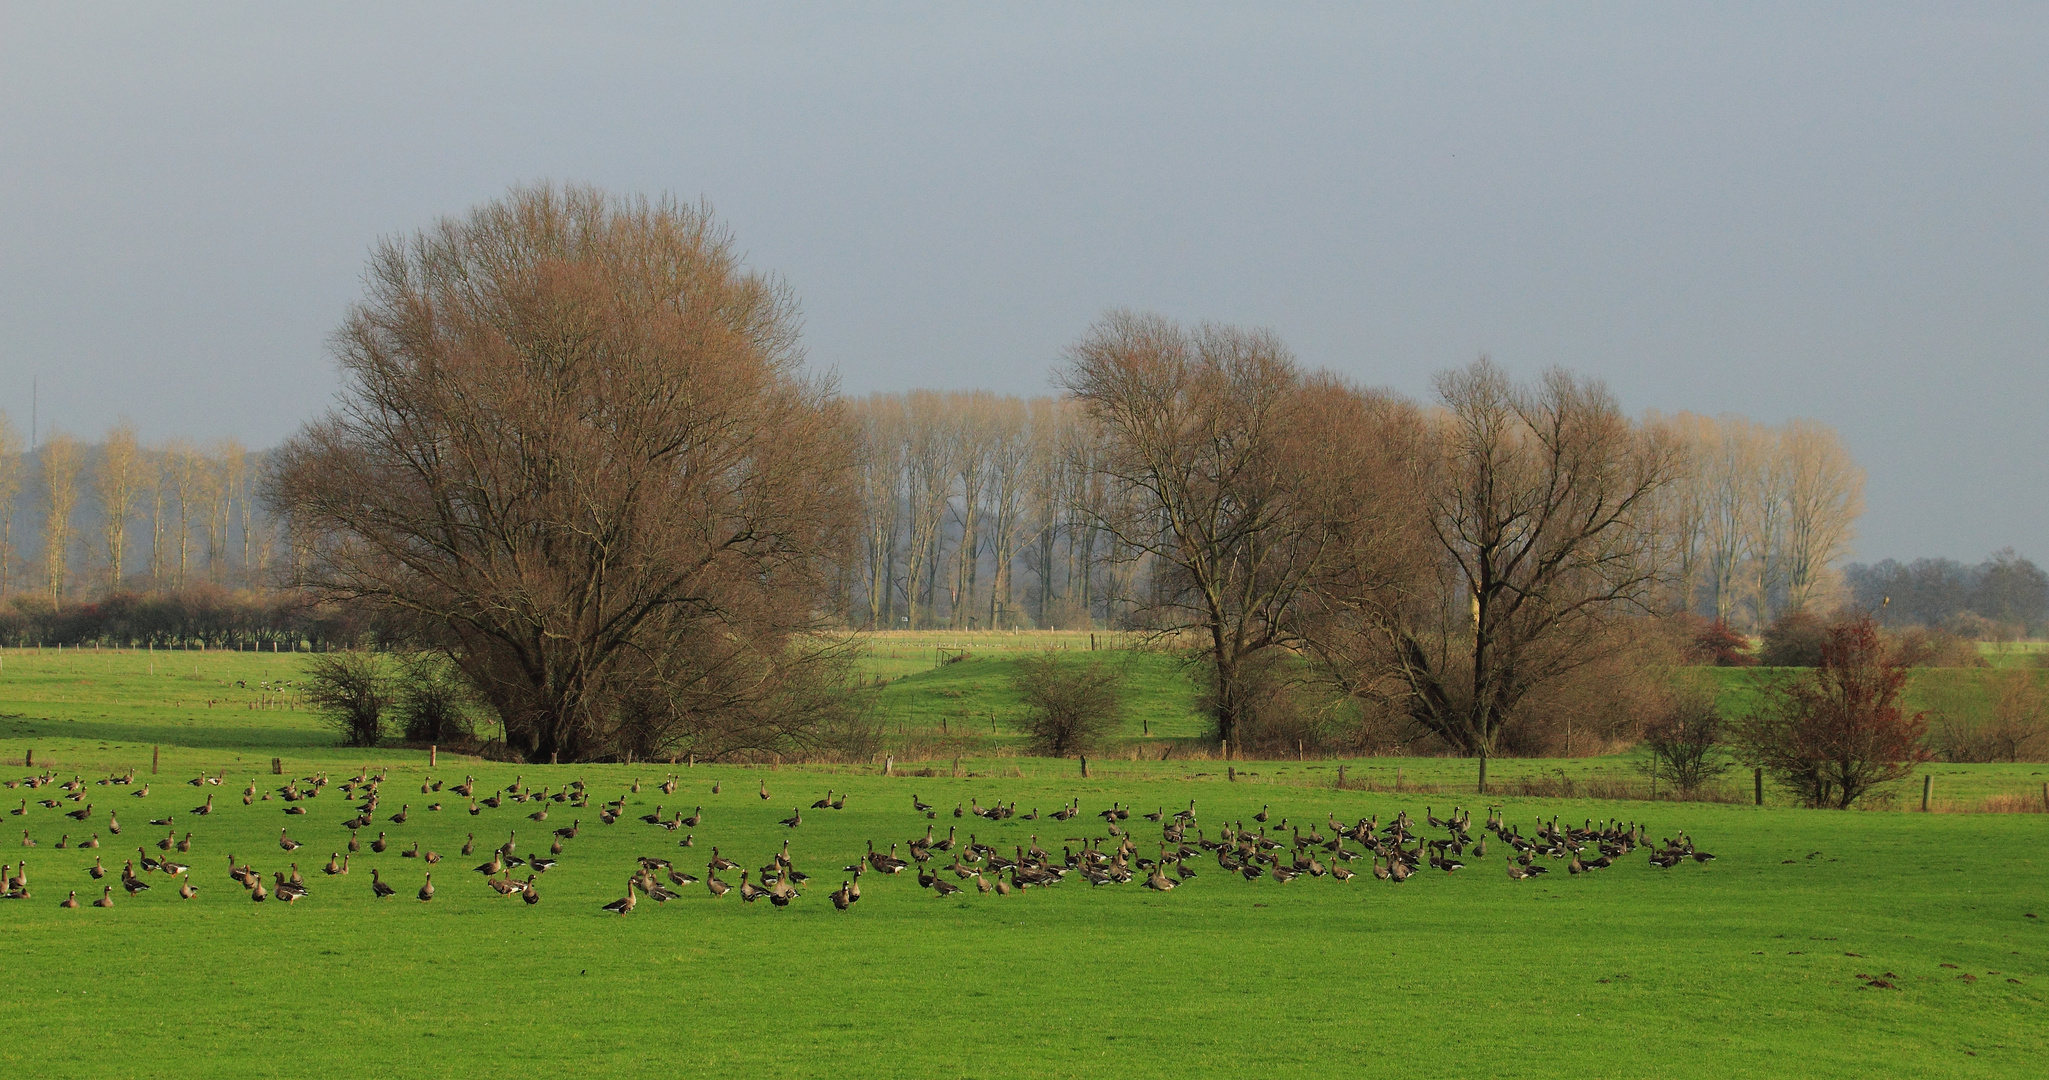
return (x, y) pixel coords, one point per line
(1840, 213)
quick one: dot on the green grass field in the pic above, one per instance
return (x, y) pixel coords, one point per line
(1757, 964)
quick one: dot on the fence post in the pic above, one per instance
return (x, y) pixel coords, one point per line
(154, 752)
(277, 766)
(28, 758)
(1341, 778)
(1084, 766)
(1231, 773)
(1483, 772)
(889, 765)
(1757, 778)
(433, 755)
(1927, 788)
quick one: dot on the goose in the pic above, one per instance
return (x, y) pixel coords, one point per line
(378, 845)
(287, 891)
(93, 842)
(624, 905)
(715, 787)
(170, 867)
(82, 814)
(491, 869)
(528, 893)
(1158, 881)
(1515, 873)
(431, 857)
(185, 844)
(412, 853)
(286, 842)
(427, 889)
(669, 785)
(258, 893)
(748, 891)
(106, 898)
(841, 802)
(69, 901)
(355, 842)
(944, 887)
(825, 803)
(1341, 872)
(538, 815)
(377, 886)
(404, 811)
(204, 808)
(99, 871)
(764, 791)
(469, 846)
(1262, 815)
(719, 862)
(839, 897)
(717, 887)
(539, 865)
(795, 819)
(570, 832)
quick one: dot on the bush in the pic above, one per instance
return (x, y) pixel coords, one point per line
(1794, 639)
(1836, 733)
(2016, 729)
(349, 690)
(1070, 704)
(1684, 742)
(431, 701)
(1918, 646)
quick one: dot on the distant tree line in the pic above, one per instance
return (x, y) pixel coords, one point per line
(2006, 596)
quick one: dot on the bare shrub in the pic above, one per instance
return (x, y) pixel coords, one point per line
(349, 690)
(1070, 704)
(431, 701)
(2015, 728)
(1685, 742)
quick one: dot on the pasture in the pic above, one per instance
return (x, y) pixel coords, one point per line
(1758, 963)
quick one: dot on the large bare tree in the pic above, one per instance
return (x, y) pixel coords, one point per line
(1544, 514)
(1237, 479)
(577, 446)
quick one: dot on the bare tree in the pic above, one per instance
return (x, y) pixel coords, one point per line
(1544, 515)
(1730, 462)
(10, 491)
(1824, 495)
(185, 471)
(971, 472)
(213, 483)
(1047, 485)
(1010, 461)
(879, 468)
(155, 469)
(118, 483)
(63, 461)
(1232, 474)
(928, 456)
(577, 447)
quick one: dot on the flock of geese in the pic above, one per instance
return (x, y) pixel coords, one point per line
(1105, 852)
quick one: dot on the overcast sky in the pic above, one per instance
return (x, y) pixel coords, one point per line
(1840, 213)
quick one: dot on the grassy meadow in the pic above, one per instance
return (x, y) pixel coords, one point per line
(1760, 963)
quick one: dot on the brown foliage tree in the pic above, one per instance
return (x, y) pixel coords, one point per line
(578, 450)
(1834, 733)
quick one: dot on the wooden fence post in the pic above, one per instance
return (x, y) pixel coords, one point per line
(1483, 772)
(889, 765)
(433, 755)
(154, 753)
(28, 758)
(1341, 779)
(277, 766)
(1757, 778)
(1084, 766)
(1927, 789)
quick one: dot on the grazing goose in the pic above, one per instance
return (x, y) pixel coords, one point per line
(623, 905)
